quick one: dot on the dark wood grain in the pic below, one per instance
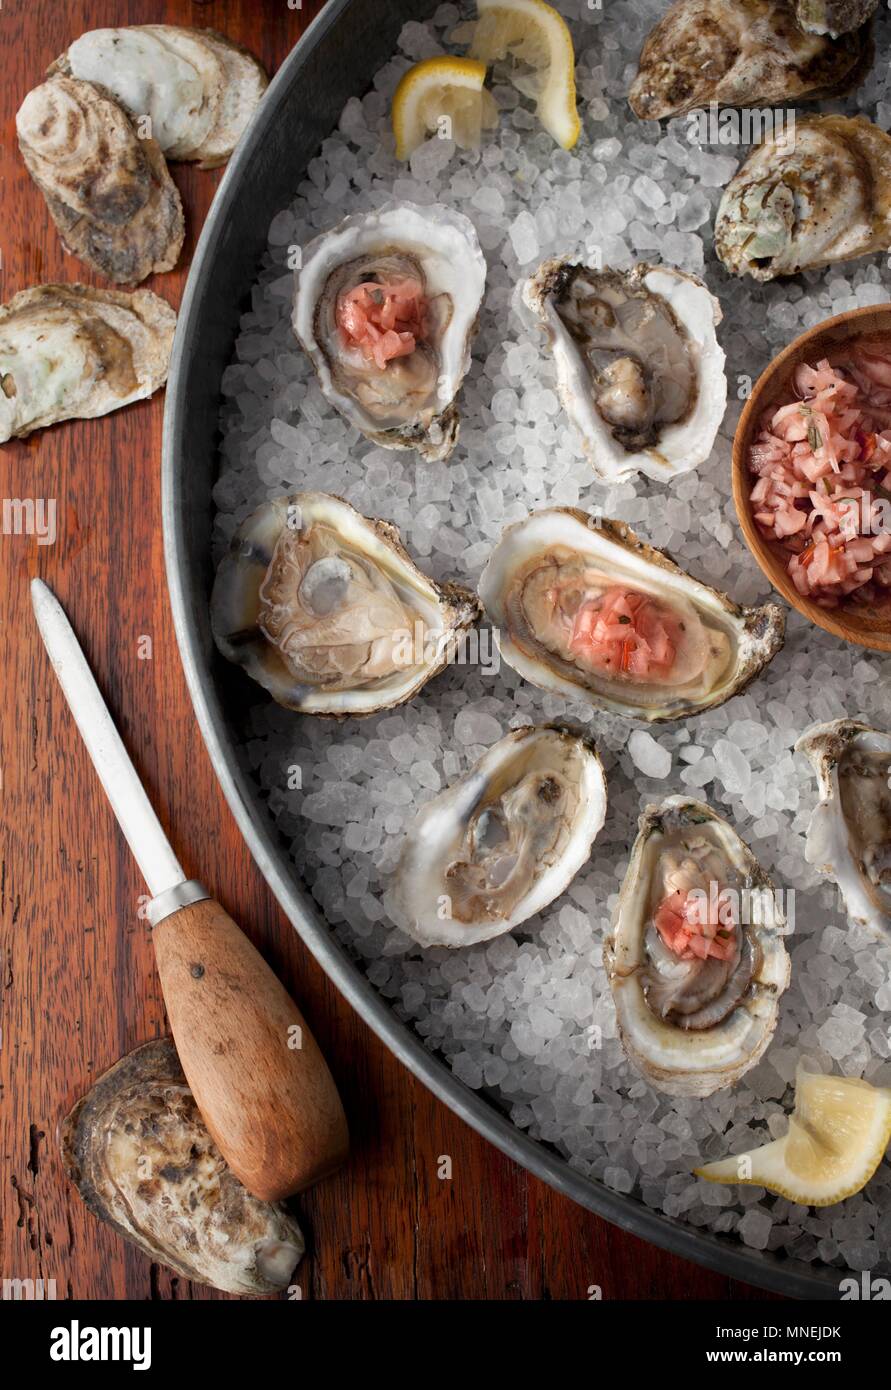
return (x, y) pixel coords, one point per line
(78, 986)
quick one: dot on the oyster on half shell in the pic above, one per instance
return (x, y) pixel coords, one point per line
(849, 836)
(796, 205)
(109, 192)
(503, 842)
(639, 368)
(140, 1155)
(385, 307)
(695, 957)
(581, 605)
(198, 88)
(741, 53)
(328, 611)
(70, 351)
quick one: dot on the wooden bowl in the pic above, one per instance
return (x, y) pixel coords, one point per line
(866, 624)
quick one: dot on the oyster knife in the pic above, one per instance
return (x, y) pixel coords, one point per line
(257, 1075)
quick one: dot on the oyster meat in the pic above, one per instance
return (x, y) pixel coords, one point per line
(328, 611)
(69, 351)
(579, 604)
(740, 53)
(825, 197)
(849, 836)
(695, 956)
(503, 842)
(109, 192)
(198, 88)
(834, 16)
(639, 368)
(140, 1155)
(385, 306)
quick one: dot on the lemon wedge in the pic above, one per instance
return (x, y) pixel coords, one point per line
(443, 95)
(838, 1133)
(533, 33)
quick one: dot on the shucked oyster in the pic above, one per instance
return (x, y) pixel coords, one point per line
(834, 16)
(328, 611)
(109, 192)
(198, 89)
(141, 1157)
(824, 198)
(695, 956)
(849, 835)
(581, 605)
(740, 53)
(502, 843)
(70, 351)
(639, 368)
(386, 306)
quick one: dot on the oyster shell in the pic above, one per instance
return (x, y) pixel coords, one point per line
(849, 836)
(552, 578)
(69, 351)
(140, 1155)
(834, 17)
(198, 88)
(108, 191)
(408, 401)
(824, 198)
(690, 1022)
(328, 611)
(639, 369)
(740, 53)
(503, 842)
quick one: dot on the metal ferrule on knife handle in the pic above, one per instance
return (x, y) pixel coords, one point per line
(180, 895)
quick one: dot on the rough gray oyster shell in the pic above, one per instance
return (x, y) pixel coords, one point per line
(821, 198)
(740, 53)
(139, 1154)
(198, 88)
(109, 192)
(71, 351)
(834, 16)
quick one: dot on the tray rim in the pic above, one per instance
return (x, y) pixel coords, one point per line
(731, 1258)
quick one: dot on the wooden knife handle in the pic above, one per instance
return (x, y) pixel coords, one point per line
(257, 1075)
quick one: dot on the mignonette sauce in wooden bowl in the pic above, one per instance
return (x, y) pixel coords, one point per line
(866, 623)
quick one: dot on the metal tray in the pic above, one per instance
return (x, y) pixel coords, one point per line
(335, 59)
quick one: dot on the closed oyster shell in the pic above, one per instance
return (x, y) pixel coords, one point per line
(71, 351)
(739, 53)
(500, 844)
(329, 613)
(551, 571)
(198, 88)
(140, 1155)
(108, 191)
(849, 836)
(692, 1027)
(821, 198)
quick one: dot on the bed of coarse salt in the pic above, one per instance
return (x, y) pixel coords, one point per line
(515, 1018)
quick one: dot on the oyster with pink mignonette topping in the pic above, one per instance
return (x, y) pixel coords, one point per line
(385, 307)
(581, 605)
(696, 957)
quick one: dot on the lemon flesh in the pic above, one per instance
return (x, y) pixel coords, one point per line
(533, 34)
(837, 1136)
(442, 95)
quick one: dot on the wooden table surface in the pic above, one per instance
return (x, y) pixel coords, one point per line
(77, 981)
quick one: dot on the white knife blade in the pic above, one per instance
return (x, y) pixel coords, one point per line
(151, 849)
